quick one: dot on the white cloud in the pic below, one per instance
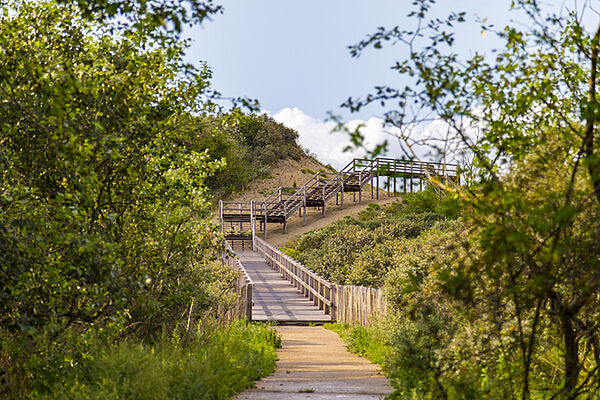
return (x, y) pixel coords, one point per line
(316, 136)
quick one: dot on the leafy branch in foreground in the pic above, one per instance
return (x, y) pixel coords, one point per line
(528, 116)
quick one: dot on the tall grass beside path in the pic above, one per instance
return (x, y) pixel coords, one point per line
(217, 364)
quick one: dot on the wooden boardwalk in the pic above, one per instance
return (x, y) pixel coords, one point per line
(237, 219)
(274, 298)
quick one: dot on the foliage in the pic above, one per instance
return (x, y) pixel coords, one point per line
(529, 276)
(218, 362)
(161, 19)
(102, 194)
(250, 144)
(430, 200)
(101, 190)
(362, 252)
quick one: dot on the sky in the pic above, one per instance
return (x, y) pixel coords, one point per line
(293, 57)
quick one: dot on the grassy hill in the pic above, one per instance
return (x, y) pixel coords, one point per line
(258, 155)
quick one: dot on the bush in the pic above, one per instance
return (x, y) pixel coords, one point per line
(362, 252)
(430, 200)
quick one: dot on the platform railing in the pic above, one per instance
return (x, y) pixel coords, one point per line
(285, 201)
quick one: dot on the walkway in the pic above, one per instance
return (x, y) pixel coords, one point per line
(275, 298)
(314, 364)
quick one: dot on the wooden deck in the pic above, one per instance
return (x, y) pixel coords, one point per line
(274, 298)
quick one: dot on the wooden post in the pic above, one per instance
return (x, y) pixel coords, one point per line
(252, 222)
(265, 222)
(221, 216)
(359, 187)
(395, 175)
(332, 298)
(377, 179)
(249, 288)
(304, 201)
(342, 192)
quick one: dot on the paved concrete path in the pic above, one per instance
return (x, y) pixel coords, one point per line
(275, 298)
(314, 364)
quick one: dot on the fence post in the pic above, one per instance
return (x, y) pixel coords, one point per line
(333, 299)
(284, 217)
(221, 216)
(304, 203)
(248, 310)
(252, 222)
(265, 215)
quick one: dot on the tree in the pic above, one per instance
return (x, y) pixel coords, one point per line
(101, 185)
(528, 115)
(160, 18)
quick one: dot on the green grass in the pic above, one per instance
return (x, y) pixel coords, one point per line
(216, 365)
(366, 342)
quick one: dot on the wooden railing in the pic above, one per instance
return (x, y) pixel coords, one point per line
(323, 186)
(344, 303)
(242, 289)
(311, 285)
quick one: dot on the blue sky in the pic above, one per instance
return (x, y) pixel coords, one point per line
(293, 57)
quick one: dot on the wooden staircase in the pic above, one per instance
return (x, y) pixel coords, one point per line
(238, 220)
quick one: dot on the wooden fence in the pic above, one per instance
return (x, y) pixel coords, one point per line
(242, 289)
(357, 304)
(345, 303)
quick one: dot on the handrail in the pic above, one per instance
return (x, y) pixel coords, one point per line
(243, 288)
(316, 288)
(299, 194)
(236, 263)
(324, 186)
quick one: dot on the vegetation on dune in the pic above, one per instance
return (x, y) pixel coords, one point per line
(363, 251)
(249, 145)
(217, 363)
(452, 330)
